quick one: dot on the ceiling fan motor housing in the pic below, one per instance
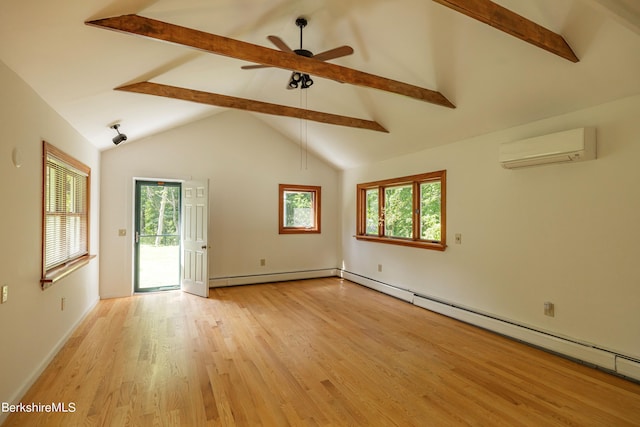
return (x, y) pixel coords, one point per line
(304, 52)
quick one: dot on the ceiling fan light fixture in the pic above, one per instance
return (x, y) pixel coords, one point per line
(299, 79)
(294, 81)
(306, 81)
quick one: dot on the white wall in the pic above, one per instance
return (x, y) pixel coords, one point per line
(244, 161)
(33, 325)
(563, 233)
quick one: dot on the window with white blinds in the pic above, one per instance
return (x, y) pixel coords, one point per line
(65, 209)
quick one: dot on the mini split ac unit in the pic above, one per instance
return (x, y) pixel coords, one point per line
(563, 147)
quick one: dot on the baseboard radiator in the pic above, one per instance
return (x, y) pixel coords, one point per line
(610, 361)
(254, 279)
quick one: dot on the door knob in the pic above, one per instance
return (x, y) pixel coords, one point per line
(204, 247)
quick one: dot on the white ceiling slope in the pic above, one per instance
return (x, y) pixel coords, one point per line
(495, 80)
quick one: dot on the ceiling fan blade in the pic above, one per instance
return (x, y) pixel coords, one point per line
(277, 41)
(338, 52)
(146, 27)
(253, 67)
(248, 105)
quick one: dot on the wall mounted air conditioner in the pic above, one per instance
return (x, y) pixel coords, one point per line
(569, 146)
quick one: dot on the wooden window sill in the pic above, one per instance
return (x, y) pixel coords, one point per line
(436, 246)
(299, 231)
(63, 271)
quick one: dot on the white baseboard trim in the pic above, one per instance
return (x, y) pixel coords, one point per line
(111, 296)
(218, 282)
(29, 381)
(622, 365)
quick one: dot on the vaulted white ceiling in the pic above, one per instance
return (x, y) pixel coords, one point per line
(494, 79)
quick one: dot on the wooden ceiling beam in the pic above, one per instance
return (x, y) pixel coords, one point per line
(146, 27)
(511, 23)
(248, 105)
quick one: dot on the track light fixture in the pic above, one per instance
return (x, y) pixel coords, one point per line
(299, 79)
(120, 137)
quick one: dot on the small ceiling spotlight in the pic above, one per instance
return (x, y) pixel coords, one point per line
(299, 79)
(306, 81)
(120, 137)
(294, 81)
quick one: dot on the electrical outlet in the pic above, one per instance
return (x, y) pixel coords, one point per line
(549, 309)
(263, 262)
(5, 294)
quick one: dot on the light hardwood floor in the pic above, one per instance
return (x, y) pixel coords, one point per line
(320, 352)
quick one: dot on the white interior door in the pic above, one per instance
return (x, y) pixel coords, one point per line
(195, 218)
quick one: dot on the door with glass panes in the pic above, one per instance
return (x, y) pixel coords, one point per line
(157, 235)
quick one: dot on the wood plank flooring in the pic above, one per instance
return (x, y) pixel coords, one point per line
(322, 352)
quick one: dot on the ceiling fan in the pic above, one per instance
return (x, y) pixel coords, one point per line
(302, 79)
(220, 45)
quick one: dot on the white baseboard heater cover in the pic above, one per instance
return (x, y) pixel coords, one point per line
(378, 286)
(609, 360)
(562, 147)
(220, 282)
(628, 367)
(578, 351)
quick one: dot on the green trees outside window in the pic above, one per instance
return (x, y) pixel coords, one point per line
(160, 214)
(298, 206)
(299, 209)
(372, 213)
(431, 211)
(406, 211)
(398, 215)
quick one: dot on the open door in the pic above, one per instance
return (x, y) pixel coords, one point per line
(195, 262)
(157, 254)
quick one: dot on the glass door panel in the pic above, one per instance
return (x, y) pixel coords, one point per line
(157, 236)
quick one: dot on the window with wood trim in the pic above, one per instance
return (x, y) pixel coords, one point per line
(299, 209)
(409, 211)
(65, 214)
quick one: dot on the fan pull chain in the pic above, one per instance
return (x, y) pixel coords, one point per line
(304, 146)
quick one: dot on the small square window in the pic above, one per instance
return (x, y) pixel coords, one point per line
(299, 209)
